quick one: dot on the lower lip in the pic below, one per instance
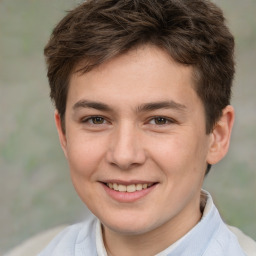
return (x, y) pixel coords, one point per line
(128, 197)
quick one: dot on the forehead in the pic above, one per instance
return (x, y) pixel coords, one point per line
(148, 55)
(144, 74)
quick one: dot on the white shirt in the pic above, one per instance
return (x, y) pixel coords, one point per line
(210, 237)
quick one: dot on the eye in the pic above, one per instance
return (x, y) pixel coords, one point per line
(159, 120)
(94, 120)
(97, 120)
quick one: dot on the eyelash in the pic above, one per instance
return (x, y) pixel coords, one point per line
(162, 118)
(91, 120)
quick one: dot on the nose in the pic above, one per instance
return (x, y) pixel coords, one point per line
(125, 148)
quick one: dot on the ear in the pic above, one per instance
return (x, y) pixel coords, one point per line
(220, 136)
(62, 136)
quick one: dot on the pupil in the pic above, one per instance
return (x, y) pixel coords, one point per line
(160, 120)
(97, 120)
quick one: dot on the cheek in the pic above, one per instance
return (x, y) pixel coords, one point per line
(180, 155)
(84, 160)
(83, 156)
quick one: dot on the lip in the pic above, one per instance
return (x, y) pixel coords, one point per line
(130, 182)
(128, 197)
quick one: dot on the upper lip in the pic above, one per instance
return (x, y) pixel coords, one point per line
(128, 182)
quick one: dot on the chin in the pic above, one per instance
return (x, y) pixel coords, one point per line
(129, 226)
(128, 229)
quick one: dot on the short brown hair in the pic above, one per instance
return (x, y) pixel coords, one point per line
(193, 33)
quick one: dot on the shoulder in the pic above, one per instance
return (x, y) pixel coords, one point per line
(247, 243)
(35, 244)
(74, 240)
(223, 242)
(54, 242)
(227, 240)
(231, 241)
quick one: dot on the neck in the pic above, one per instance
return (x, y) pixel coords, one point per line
(153, 241)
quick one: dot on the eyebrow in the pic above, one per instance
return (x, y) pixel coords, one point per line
(147, 107)
(91, 104)
(161, 105)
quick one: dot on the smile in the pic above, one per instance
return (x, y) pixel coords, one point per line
(129, 188)
(128, 191)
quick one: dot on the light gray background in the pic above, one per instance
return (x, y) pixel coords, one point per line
(35, 190)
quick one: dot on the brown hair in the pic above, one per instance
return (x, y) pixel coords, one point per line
(193, 33)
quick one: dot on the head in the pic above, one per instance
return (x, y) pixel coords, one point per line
(191, 32)
(99, 37)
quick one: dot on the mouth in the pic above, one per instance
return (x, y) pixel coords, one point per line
(125, 191)
(129, 188)
(128, 191)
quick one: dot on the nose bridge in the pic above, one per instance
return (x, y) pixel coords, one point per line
(125, 149)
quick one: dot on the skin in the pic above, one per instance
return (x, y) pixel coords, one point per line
(128, 143)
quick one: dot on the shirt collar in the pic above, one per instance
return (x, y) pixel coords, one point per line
(101, 250)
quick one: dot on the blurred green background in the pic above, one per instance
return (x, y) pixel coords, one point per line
(35, 190)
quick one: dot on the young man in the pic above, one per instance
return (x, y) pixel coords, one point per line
(142, 92)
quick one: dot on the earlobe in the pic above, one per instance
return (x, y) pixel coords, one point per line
(220, 136)
(62, 136)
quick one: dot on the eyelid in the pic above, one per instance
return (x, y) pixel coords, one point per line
(148, 121)
(168, 119)
(88, 118)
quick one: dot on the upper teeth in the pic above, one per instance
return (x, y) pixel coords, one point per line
(129, 188)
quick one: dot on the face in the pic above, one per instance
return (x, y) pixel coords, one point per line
(135, 142)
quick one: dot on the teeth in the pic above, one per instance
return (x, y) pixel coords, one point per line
(122, 188)
(115, 186)
(139, 187)
(144, 186)
(130, 188)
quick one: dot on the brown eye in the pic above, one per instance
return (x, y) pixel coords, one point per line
(160, 120)
(97, 120)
